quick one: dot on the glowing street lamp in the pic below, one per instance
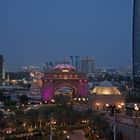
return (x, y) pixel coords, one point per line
(122, 105)
(136, 110)
(97, 106)
(64, 131)
(83, 121)
(24, 125)
(84, 99)
(9, 132)
(68, 137)
(51, 123)
(119, 106)
(107, 105)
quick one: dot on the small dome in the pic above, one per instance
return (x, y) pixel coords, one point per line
(64, 66)
(106, 88)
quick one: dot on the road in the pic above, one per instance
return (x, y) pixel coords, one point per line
(77, 135)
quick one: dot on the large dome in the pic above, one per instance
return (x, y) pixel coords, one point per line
(106, 88)
(64, 66)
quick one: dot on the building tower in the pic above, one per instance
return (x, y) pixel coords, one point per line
(87, 65)
(2, 75)
(77, 59)
(136, 43)
(71, 57)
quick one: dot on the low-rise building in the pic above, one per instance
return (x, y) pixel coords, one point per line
(104, 96)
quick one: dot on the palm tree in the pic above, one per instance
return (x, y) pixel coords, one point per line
(32, 118)
(100, 126)
(19, 118)
(23, 99)
(62, 100)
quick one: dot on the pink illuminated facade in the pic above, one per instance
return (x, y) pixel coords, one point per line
(64, 75)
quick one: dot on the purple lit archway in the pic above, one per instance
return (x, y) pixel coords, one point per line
(63, 76)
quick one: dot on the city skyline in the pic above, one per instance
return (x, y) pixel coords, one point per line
(33, 32)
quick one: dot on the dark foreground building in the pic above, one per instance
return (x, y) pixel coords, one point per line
(136, 43)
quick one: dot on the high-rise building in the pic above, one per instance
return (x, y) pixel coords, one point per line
(136, 43)
(1, 68)
(87, 65)
(75, 61)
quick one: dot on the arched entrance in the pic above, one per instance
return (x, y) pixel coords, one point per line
(65, 89)
(64, 75)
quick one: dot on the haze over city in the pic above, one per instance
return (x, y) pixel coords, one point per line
(32, 32)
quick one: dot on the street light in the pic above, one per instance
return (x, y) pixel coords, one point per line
(65, 132)
(68, 137)
(8, 131)
(114, 126)
(136, 109)
(84, 99)
(107, 105)
(84, 121)
(97, 106)
(50, 131)
(51, 123)
(24, 125)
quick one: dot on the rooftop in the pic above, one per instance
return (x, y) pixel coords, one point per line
(64, 66)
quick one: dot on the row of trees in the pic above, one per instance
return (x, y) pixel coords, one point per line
(110, 77)
(8, 102)
(133, 97)
(62, 113)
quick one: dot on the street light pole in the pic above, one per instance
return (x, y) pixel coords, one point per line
(114, 126)
(51, 125)
(50, 130)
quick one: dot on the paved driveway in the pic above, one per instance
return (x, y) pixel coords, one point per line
(77, 135)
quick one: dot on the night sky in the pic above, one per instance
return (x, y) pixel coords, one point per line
(33, 31)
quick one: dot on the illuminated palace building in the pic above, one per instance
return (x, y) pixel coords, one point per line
(136, 44)
(105, 95)
(64, 79)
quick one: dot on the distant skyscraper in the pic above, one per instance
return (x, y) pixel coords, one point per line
(87, 65)
(71, 57)
(2, 74)
(136, 43)
(75, 61)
